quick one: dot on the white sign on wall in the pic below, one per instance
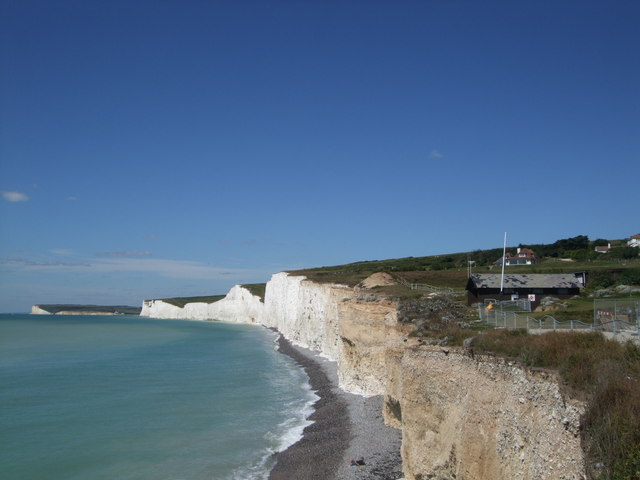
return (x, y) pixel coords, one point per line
(532, 297)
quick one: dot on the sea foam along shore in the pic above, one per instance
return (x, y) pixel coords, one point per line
(345, 426)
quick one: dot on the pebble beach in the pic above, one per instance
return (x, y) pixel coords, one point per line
(345, 427)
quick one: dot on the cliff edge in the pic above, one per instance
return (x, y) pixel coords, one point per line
(461, 416)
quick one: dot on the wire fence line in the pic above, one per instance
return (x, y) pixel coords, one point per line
(430, 288)
(517, 320)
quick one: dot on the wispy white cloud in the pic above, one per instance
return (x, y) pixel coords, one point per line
(435, 155)
(123, 254)
(30, 264)
(166, 268)
(15, 197)
(62, 251)
(177, 269)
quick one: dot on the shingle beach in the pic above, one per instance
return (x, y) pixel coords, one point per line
(345, 427)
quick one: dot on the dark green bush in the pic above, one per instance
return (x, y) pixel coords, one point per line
(600, 279)
(630, 277)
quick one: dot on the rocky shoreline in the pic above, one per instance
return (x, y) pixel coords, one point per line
(345, 427)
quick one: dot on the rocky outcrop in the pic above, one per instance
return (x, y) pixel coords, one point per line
(463, 417)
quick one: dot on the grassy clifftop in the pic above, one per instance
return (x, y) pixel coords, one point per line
(182, 301)
(451, 270)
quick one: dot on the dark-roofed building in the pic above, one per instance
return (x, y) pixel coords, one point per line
(533, 286)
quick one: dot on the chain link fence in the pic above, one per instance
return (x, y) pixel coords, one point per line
(623, 317)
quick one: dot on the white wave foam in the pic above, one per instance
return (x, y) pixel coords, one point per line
(284, 435)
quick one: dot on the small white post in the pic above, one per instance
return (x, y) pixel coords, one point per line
(504, 260)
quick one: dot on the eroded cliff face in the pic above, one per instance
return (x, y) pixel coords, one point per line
(463, 417)
(368, 329)
(480, 417)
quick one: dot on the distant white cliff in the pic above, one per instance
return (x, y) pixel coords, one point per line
(239, 305)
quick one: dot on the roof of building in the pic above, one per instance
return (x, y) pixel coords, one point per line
(527, 280)
(637, 235)
(526, 251)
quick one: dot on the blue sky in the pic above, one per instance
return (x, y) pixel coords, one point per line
(164, 148)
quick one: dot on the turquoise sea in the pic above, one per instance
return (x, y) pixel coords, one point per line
(91, 397)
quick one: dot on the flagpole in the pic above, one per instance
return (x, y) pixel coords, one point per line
(504, 260)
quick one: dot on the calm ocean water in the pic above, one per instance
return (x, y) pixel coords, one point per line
(137, 398)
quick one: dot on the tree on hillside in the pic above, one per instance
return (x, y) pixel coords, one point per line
(560, 247)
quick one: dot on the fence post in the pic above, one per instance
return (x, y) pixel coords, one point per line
(554, 323)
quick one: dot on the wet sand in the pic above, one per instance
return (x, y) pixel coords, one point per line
(345, 427)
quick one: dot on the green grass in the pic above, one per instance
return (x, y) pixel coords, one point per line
(182, 301)
(451, 270)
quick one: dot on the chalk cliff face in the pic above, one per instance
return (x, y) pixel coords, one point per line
(36, 310)
(305, 312)
(461, 417)
(239, 305)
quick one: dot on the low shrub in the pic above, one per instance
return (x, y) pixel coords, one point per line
(630, 277)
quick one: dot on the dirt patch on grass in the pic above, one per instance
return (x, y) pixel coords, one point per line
(378, 280)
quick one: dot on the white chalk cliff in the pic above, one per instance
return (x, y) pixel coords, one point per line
(461, 417)
(238, 306)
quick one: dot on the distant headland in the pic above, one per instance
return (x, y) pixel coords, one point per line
(62, 309)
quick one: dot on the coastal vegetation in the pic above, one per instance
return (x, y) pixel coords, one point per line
(621, 265)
